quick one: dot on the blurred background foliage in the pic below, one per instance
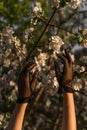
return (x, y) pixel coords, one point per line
(69, 23)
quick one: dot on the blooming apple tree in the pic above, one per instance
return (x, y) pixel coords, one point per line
(41, 41)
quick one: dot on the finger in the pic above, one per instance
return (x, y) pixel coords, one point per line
(68, 56)
(25, 71)
(34, 81)
(29, 66)
(65, 56)
(62, 57)
(65, 62)
(57, 70)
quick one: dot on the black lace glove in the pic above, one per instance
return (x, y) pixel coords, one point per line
(26, 85)
(64, 77)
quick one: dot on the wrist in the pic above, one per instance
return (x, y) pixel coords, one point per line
(22, 105)
(67, 83)
(22, 100)
(66, 86)
(67, 89)
(27, 100)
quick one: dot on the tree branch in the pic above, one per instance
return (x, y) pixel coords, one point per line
(52, 25)
(37, 42)
(60, 25)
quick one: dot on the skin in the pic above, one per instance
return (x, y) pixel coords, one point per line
(69, 118)
(25, 88)
(17, 117)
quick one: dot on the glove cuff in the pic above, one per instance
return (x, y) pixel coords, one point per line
(23, 100)
(68, 89)
(66, 86)
(67, 83)
(27, 99)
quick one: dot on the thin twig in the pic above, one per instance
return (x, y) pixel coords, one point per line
(71, 15)
(52, 25)
(60, 26)
(37, 42)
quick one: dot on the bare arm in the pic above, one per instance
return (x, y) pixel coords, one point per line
(16, 120)
(69, 118)
(65, 85)
(26, 87)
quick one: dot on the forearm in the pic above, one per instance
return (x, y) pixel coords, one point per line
(16, 120)
(69, 117)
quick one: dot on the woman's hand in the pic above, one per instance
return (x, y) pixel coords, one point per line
(64, 77)
(26, 85)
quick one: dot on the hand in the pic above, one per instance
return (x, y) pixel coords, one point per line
(26, 85)
(65, 76)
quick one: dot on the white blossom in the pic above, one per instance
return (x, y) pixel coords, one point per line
(82, 69)
(55, 82)
(77, 3)
(85, 43)
(77, 84)
(55, 43)
(1, 118)
(37, 7)
(11, 53)
(28, 33)
(37, 12)
(48, 103)
(41, 60)
(7, 62)
(12, 83)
